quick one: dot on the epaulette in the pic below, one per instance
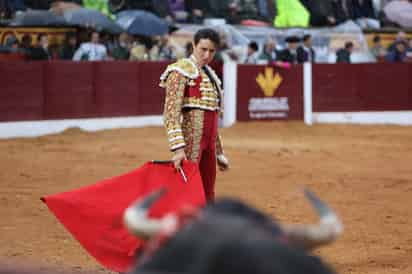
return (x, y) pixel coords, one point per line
(184, 66)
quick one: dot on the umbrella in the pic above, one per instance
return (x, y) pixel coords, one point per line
(91, 18)
(38, 18)
(399, 12)
(139, 22)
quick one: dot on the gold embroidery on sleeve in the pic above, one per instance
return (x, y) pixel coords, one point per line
(175, 87)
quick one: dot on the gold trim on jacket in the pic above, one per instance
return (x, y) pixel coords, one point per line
(176, 79)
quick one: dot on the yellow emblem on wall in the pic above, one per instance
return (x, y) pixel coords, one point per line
(268, 82)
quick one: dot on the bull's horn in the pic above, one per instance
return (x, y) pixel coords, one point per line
(311, 236)
(136, 218)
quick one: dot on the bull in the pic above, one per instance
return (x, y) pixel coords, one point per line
(229, 236)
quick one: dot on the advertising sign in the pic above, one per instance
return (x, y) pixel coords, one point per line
(269, 93)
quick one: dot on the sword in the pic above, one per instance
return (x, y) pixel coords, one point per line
(183, 174)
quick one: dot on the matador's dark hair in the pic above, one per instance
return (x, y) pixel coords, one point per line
(207, 33)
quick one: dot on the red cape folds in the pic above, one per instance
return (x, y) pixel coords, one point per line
(94, 214)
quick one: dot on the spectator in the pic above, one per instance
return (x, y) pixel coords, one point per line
(410, 45)
(41, 50)
(25, 45)
(69, 47)
(11, 38)
(121, 50)
(291, 13)
(54, 51)
(289, 54)
(198, 10)
(342, 11)
(83, 35)
(161, 8)
(306, 53)
(244, 9)
(9, 7)
(5, 11)
(139, 50)
(12, 44)
(400, 37)
(163, 50)
(177, 10)
(225, 52)
(219, 8)
(409, 51)
(234, 10)
(269, 54)
(252, 53)
(38, 4)
(364, 14)
(266, 9)
(377, 49)
(320, 12)
(107, 40)
(91, 51)
(397, 54)
(344, 55)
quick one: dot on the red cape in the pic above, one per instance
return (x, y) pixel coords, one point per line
(94, 214)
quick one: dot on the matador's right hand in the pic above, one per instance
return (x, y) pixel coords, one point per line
(178, 157)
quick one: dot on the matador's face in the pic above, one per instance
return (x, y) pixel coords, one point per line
(204, 51)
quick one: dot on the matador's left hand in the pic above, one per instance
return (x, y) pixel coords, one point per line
(222, 162)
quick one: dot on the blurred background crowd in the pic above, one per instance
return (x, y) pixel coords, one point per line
(107, 29)
(280, 13)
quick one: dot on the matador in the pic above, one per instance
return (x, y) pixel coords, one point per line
(194, 100)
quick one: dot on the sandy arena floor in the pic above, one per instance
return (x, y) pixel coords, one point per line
(364, 172)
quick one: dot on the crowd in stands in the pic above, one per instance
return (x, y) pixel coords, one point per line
(280, 13)
(301, 51)
(296, 51)
(399, 51)
(95, 46)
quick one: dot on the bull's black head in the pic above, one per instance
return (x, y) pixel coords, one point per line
(230, 237)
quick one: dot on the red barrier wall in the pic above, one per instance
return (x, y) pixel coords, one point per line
(362, 87)
(151, 96)
(117, 89)
(21, 91)
(253, 104)
(64, 90)
(67, 90)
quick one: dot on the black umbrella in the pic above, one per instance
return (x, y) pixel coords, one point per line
(139, 22)
(92, 19)
(38, 18)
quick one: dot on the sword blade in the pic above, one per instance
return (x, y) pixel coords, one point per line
(183, 174)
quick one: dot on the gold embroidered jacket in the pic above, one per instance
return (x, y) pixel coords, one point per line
(188, 87)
